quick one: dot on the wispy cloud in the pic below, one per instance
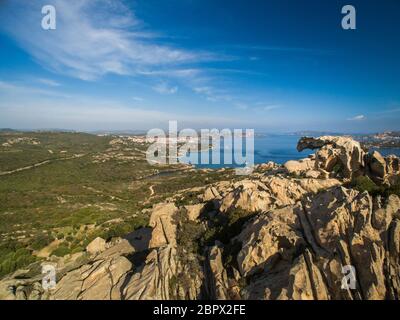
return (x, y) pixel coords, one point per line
(213, 94)
(90, 113)
(93, 38)
(49, 82)
(357, 118)
(271, 107)
(18, 89)
(164, 88)
(139, 99)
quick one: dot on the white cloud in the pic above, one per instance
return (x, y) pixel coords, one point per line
(212, 94)
(164, 88)
(93, 38)
(203, 90)
(172, 73)
(357, 118)
(139, 99)
(271, 107)
(49, 82)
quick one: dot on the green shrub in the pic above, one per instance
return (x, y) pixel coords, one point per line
(77, 249)
(13, 256)
(364, 183)
(395, 189)
(227, 226)
(61, 251)
(41, 241)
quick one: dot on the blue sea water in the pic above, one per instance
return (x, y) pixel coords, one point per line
(276, 148)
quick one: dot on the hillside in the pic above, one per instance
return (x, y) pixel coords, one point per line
(59, 191)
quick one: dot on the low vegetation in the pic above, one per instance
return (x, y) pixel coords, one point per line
(364, 183)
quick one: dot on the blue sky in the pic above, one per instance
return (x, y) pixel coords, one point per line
(275, 66)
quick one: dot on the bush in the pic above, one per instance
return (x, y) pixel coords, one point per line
(60, 236)
(61, 251)
(42, 241)
(364, 183)
(122, 229)
(225, 227)
(77, 249)
(13, 256)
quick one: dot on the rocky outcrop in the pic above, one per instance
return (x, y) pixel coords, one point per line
(314, 240)
(344, 158)
(268, 192)
(336, 153)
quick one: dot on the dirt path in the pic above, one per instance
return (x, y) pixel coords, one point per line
(40, 164)
(151, 191)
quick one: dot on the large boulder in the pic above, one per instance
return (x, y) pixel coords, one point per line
(300, 166)
(98, 245)
(377, 165)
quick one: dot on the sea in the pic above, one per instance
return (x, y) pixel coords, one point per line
(267, 147)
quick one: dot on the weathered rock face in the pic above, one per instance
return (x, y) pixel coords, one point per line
(98, 279)
(101, 280)
(270, 237)
(313, 241)
(153, 281)
(218, 283)
(268, 192)
(164, 227)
